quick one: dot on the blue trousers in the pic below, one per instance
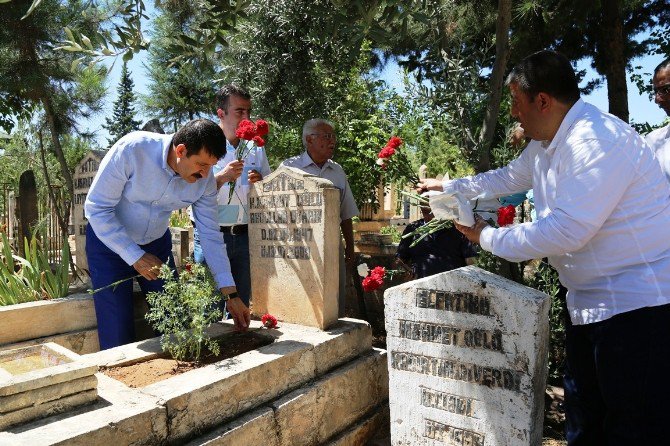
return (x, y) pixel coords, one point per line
(237, 248)
(114, 305)
(615, 389)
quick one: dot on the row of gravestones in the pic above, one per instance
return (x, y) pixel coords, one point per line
(466, 349)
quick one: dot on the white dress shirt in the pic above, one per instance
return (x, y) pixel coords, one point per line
(659, 141)
(603, 208)
(237, 211)
(134, 193)
(330, 171)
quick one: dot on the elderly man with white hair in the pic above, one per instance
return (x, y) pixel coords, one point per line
(319, 139)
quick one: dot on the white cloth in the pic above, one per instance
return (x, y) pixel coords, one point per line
(237, 211)
(330, 171)
(659, 141)
(603, 209)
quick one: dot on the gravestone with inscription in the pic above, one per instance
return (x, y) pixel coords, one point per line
(467, 354)
(82, 179)
(294, 238)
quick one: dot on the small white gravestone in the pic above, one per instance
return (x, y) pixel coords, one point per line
(82, 179)
(294, 242)
(182, 244)
(467, 357)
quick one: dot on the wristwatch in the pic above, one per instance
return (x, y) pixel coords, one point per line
(227, 297)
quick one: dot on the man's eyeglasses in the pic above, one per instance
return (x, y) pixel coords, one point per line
(326, 136)
(663, 90)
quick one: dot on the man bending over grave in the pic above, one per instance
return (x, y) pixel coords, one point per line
(319, 139)
(659, 139)
(603, 207)
(141, 180)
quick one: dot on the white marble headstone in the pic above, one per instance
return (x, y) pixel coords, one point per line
(467, 354)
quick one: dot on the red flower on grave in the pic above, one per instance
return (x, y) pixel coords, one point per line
(269, 321)
(394, 142)
(372, 283)
(246, 129)
(260, 142)
(262, 128)
(386, 152)
(188, 266)
(506, 215)
(378, 272)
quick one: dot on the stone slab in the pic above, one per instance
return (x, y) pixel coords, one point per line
(294, 235)
(313, 414)
(43, 395)
(193, 400)
(47, 409)
(258, 427)
(38, 319)
(120, 416)
(467, 360)
(362, 433)
(46, 376)
(81, 342)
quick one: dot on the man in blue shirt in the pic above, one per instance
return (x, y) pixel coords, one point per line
(141, 180)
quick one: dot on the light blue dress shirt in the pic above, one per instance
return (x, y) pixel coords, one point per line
(134, 193)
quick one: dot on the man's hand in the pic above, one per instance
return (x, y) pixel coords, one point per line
(237, 309)
(429, 184)
(148, 266)
(254, 176)
(231, 172)
(472, 233)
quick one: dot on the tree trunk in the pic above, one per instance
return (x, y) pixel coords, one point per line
(496, 84)
(612, 49)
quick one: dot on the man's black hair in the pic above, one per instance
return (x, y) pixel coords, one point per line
(663, 65)
(201, 134)
(224, 94)
(547, 72)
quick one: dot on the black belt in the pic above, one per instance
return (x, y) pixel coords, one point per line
(235, 229)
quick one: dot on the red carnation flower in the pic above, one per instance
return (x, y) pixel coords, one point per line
(188, 267)
(245, 130)
(260, 142)
(394, 142)
(269, 321)
(378, 272)
(371, 283)
(386, 152)
(262, 128)
(506, 215)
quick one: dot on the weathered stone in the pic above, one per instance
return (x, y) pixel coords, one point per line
(33, 320)
(258, 427)
(82, 179)
(120, 416)
(47, 376)
(313, 414)
(467, 360)
(363, 431)
(182, 244)
(81, 342)
(47, 409)
(294, 235)
(42, 395)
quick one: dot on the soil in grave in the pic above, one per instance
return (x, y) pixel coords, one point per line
(144, 373)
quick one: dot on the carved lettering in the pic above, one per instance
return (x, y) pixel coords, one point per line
(453, 436)
(456, 302)
(288, 235)
(459, 371)
(449, 335)
(445, 401)
(286, 252)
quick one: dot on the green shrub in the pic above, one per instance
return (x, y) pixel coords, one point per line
(183, 311)
(392, 231)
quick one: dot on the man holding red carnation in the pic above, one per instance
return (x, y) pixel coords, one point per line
(233, 109)
(319, 140)
(603, 207)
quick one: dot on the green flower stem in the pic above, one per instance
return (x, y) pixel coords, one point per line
(114, 284)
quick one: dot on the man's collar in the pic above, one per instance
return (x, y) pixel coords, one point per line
(167, 145)
(307, 160)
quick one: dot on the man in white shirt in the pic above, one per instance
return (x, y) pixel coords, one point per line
(233, 105)
(319, 140)
(659, 139)
(603, 209)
